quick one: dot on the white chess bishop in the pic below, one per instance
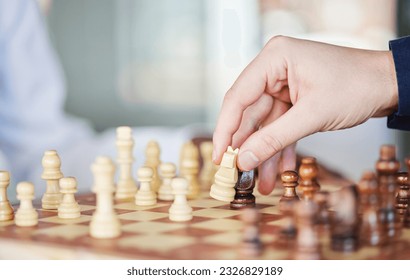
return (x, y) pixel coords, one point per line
(226, 177)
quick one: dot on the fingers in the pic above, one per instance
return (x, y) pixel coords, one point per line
(252, 119)
(288, 158)
(267, 174)
(295, 124)
(246, 90)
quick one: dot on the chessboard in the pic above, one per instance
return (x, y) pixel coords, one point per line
(147, 233)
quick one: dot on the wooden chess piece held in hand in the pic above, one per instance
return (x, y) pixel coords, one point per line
(243, 190)
(226, 177)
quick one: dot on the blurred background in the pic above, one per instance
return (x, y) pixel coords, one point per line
(168, 63)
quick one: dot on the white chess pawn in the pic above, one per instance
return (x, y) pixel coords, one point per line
(167, 171)
(104, 223)
(152, 160)
(69, 208)
(180, 210)
(145, 196)
(52, 174)
(126, 186)
(26, 215)
(226, 177)
(6, 211)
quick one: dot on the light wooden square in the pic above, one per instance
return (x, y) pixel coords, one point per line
(219, 225)
(206, 203)
(57, 220)
(64, 231)
(156, 242)
(215, 213)
(142, 216)
(152, 227)
(132, 206)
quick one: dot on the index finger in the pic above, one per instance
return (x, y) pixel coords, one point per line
(246, 90)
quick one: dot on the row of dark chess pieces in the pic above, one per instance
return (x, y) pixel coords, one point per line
(371, 213)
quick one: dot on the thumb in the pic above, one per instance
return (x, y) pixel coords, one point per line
(295, 124)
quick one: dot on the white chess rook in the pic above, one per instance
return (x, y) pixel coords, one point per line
(104, 223)
(126, 186)
(167, 171)
(226, 177)
(52, 174)
(180, 211)
(69, 208)
(145, 196)
(6, 210)
(26, 215)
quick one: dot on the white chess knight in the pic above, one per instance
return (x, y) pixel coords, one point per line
(226, 177)
(180, 211)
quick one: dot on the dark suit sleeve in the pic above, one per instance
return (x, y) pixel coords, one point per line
(401, 55)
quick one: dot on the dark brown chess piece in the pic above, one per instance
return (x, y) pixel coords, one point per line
(371, 229)
(344, 225)
(308, 172)
(387, 167)
(307, 240)
(290, 182)
(243, 190)
(403, 194)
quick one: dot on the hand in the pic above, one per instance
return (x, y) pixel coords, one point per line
(295, 88)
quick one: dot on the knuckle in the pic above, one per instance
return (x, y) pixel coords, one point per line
(270, 145)
(277, 41)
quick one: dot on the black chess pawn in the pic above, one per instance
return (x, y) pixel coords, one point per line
(244, 197)
(290, 182)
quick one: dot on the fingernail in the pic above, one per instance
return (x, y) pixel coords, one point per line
(247, 161)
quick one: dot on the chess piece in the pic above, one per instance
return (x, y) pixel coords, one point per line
(52, 174)
(26, 215)
(126, 186)
(308, 172)
(189, 168)
(290, 182)
(152, 160)
(387, 167)
(251, 245)
(145, 195)
(403, 195)
(307, 241)
(69, 208)
(243, 190)
(371, 230)
(6, 210)
(226, 177)
(180, 211)
(206, 176)
(167, 171)
(344, 224)
(104, 223)
(323, 216)
(406, 218)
